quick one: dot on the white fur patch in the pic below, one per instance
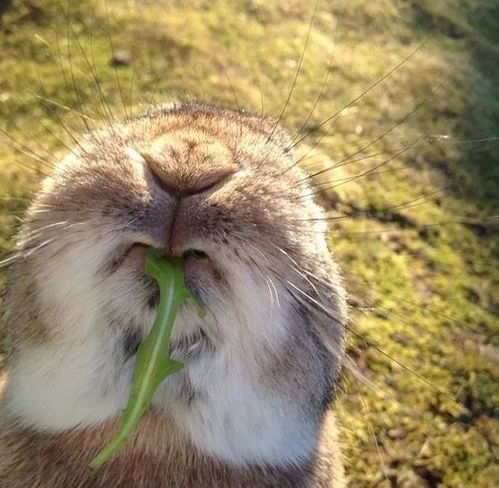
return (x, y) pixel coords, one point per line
(72, 380)
(76, 380)
(237, 420)
(56, 390)
(233, 416)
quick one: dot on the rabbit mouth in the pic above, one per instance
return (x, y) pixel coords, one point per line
(203, 274)
(195, 254)
(138, 250)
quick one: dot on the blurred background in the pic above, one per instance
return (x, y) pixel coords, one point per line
(398, 100)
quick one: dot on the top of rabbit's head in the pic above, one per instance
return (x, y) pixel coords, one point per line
(211, 185)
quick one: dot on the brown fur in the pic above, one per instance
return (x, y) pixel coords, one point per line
(157, 456)
(192, 151)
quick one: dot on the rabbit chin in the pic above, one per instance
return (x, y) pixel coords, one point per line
(78, 378)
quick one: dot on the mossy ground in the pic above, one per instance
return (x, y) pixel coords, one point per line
(415, 237)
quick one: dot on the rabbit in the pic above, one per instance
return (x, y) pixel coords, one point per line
(252, 407)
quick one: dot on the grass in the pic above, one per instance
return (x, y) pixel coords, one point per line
(416, 236)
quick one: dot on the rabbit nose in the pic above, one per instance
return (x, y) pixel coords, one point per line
(189, 163)
(169, 182)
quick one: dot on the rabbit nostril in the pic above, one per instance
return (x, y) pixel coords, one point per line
(162, 183)
(195, 253)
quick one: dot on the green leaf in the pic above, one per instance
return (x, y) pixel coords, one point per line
(153, 364)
